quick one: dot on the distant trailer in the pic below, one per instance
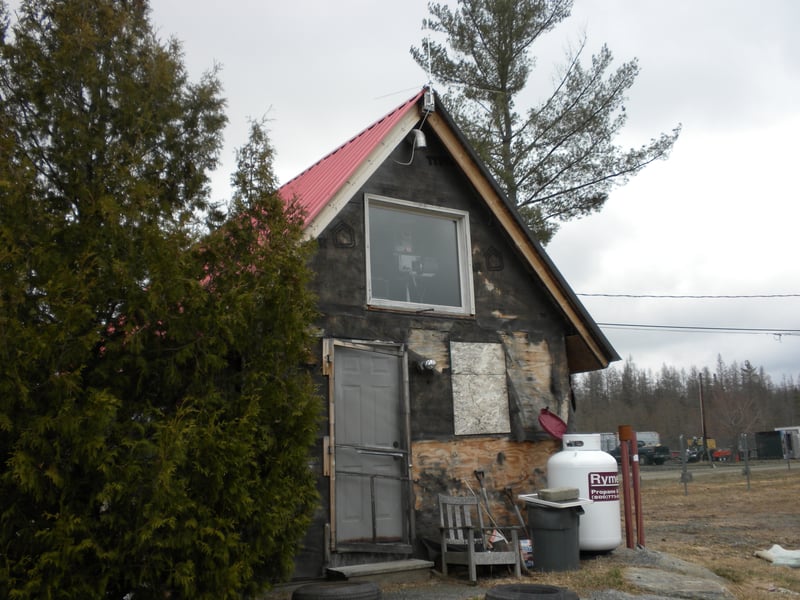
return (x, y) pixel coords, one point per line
(790, 440)
(609, 441)
(769, 444)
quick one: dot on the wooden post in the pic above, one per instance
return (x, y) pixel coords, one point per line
(637, 490)
(625, 432)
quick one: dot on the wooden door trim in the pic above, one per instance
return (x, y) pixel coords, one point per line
(399, 350)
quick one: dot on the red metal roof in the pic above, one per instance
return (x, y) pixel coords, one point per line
(315, 186)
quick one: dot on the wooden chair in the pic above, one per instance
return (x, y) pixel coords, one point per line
(466, 542)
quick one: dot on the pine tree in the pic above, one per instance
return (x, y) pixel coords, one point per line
(556, 161)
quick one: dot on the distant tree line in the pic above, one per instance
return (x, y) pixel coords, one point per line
(736, 398)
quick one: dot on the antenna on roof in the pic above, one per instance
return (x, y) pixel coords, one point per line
(428, 103)
(427, 50)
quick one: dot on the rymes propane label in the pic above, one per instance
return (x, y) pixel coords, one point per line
(603, 487)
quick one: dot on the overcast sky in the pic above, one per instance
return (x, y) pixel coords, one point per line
(719, 218)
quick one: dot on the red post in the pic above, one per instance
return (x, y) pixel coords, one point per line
(637, 490)
(625, 468)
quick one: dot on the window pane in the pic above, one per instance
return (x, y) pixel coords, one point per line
(414, 257)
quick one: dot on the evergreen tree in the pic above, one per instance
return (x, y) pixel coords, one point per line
(737, 400)
(154, 417)
(556, 161)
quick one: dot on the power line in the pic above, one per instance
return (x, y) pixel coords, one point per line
(690, 296)
(777, 332)
(702, 329)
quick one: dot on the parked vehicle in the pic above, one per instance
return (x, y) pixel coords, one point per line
(697, 450)
(648, 455)
(694, 454)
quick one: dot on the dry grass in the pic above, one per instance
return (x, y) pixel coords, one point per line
(719, 525)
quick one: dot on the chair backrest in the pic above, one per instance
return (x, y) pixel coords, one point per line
(456, 513)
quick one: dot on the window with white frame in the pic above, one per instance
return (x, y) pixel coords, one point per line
(418, 256)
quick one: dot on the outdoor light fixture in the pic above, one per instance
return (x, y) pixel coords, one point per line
(417, 138)
(426, 365)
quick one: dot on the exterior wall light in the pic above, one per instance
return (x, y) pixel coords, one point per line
(418, 139)
(426, 365)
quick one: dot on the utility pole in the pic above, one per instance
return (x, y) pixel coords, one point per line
(703, 422)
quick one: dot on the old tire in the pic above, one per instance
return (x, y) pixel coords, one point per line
(530, 591)
(338, 590)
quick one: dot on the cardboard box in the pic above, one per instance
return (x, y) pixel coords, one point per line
(526, 553)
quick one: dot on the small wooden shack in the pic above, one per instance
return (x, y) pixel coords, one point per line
(445, 330)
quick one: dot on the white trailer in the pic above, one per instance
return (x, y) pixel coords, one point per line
(650, 438)
(790, 440)
(609, 441)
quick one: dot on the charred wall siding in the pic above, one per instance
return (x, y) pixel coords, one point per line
(445, 466)
(511, 309)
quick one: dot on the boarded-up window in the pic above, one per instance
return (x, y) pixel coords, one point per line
(480, 397)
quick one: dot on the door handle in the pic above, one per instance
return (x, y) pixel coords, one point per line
(381, 453)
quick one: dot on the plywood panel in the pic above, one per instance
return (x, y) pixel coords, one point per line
(531, 372)
(448, 467)
(480, 396)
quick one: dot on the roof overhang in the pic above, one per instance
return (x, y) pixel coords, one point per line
(587, 348)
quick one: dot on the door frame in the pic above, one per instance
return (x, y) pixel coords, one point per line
(399, 350)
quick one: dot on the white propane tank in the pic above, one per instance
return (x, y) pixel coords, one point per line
(583, 465)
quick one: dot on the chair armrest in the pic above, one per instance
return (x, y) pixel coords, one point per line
(465, 528)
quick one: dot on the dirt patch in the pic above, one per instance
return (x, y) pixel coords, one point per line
(717, 522)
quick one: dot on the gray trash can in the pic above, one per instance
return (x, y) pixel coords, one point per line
(555, 536)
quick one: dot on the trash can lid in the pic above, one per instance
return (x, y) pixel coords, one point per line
(534, 499)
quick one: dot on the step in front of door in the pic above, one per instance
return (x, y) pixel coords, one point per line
(395, 571)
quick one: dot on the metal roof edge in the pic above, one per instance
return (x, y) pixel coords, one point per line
(315, 186)
(361, 173)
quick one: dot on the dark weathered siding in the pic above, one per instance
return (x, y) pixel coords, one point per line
(512, 309)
